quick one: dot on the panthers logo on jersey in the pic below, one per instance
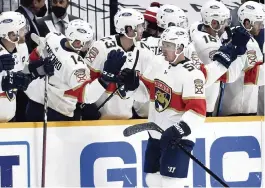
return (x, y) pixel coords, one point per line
(163, 95)
(252, 57)
(11, 94)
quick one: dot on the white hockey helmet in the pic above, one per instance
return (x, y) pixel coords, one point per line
(252, 11)
(214, 10)
(80, 30)
(127, 17)
(176, 35)
(171, 15)
(11, 21)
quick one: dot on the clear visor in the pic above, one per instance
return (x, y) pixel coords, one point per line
(140, 27)
(24, 30)
(227, 22)
(168, 46)
(258, 25)
(87, 45)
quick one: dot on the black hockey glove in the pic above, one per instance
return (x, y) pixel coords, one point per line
(129, 78)
(240, 36)
(172, 135)
(16, 80)
(225, 55)
(7, 62)
(40, 68)
(113, 65)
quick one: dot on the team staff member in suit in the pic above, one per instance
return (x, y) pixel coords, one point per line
(57, 20)
(31, 9)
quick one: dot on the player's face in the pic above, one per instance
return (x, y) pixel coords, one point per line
(169, 51)
(38, 4)
(77, 44)
(13, 36)
(216, 25)
(140, 30)
(257, 26)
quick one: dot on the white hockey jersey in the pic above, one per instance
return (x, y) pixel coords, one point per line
(176, 93)
(8, 99)
(70, 74)
(119, 106)
(154, 44)
(205, 46)
(241, 96)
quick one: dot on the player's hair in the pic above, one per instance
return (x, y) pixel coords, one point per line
(126, 30)
(27, 3)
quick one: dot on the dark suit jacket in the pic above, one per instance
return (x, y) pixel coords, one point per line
(44, 30)
(30, 43)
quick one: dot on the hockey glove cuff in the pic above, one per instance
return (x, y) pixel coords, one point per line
(113, 65)
(7, 62)
(171, 136)
(16, 80)
(129, 78)
(40, 68)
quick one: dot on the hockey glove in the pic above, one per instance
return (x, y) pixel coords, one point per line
(40, 68)
(129, 78)
(16, 80)
(172, 135)
(225, 55)
(240, 36)
(7, 62)
(113, 65)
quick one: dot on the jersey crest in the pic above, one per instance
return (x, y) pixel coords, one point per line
(163, 95)
(252, 57)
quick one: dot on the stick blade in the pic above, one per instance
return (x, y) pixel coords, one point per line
(140, 128)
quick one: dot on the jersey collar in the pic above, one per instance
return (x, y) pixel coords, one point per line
(118, 39)
(14, 51)
(181, 62)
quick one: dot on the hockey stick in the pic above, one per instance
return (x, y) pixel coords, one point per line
(152, 126)
(111, 95)
(40, 42)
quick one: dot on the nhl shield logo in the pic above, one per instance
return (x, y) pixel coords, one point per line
(163, 94)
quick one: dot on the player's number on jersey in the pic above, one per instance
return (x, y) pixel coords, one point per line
(79, 59)
(209, 38)
(189, 67)
(109, 44)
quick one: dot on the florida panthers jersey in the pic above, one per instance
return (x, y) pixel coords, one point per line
(119, 106)
(154, 44)
(241, 96)
(8, 99)
(205, 46)
(70, 73)
(176, 93)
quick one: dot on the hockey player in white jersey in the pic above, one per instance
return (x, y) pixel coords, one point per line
(129, 24)
(241, 96)
(167, 15)
(15, 71)
(71, 73)
(177, 103)
(215, 16)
